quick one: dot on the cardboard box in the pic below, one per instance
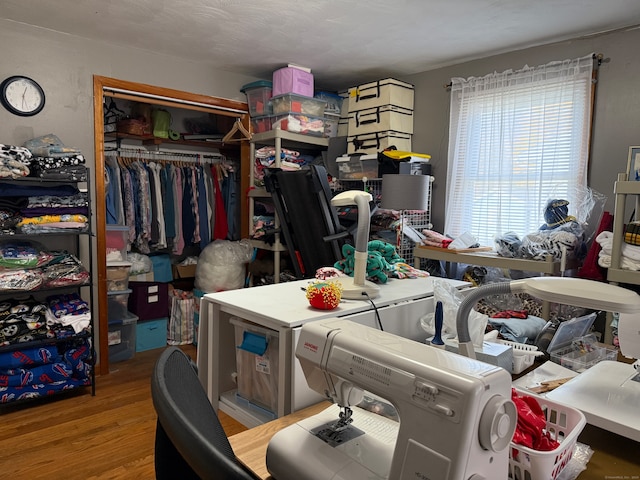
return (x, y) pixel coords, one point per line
(184, 271)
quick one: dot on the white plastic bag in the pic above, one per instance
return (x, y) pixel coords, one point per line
(451, 299)
(221, 265)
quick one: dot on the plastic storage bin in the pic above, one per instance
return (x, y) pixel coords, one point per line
(257, 364)
(292, 103)
(122, 339)
(356, 167)
(292, 80)
(583, 353)
(118, 276)
(151, 334)
(298, 123)
(331, 124)
(258, 96)
(149, 300)
(117, 243)
(565, 424)
(261, 124)
(117, 305)
(333, 100)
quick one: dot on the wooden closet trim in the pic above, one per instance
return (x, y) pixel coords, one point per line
(218, 106)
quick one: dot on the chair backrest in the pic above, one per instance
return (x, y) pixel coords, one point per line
(187, 419)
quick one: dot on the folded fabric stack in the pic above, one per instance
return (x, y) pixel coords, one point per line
(50, 158)
(14, 161)
(629, 255)
(38, 209)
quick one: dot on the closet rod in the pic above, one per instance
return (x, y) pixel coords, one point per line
(132, 95)
(146, 154)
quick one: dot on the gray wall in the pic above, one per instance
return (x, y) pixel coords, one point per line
(617, 112)
(64, 66)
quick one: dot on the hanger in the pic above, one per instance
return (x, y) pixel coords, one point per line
(237, 127)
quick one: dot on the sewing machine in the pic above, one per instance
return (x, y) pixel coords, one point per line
(456, 414)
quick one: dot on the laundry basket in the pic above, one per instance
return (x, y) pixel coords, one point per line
(564, 424)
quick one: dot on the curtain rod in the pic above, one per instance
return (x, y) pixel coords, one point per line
(170, 99)
(598, 59)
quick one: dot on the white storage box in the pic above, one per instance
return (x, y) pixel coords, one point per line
(357, 167)
(378, 141)
(381, 119)
(343, 126)
(383, 92)
(257, 350)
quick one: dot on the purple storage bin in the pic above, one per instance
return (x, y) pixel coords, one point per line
(292, 80)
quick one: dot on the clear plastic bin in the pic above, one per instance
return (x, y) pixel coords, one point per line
(261, 124)
(117, 243)
(122, 339)
(583, 353)
(258, 96)
(298, 123)
(118, 276)
(357, 167)
(291, 103)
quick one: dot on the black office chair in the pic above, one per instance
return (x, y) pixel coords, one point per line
(190, 441)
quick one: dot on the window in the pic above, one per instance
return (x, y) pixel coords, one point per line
(516, 140)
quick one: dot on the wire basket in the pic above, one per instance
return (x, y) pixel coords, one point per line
(564, 423)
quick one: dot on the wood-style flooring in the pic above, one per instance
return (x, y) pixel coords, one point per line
(79, 436)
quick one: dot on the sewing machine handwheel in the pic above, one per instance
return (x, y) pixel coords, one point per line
(497, 423)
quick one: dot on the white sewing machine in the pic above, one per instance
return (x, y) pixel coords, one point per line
(456, 414)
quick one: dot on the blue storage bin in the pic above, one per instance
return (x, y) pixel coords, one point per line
(151, 334)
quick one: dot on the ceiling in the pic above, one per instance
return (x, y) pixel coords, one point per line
(342, 41)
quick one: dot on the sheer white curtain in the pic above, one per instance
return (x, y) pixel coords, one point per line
(516, 140)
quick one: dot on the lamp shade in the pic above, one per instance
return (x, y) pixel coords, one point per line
(405, 192)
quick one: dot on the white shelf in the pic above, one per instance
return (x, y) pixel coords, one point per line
(247, 417)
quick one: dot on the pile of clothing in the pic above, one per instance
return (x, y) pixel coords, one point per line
(629, 254)
(43, 157)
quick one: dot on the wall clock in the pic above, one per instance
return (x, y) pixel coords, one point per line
(22, 96)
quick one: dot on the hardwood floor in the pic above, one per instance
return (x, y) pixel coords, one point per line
(79, 436)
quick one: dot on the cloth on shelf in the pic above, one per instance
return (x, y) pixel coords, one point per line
(561, 236)
(435, 239)
(629, 254)
(14, 161)
(50, 146)
(519, 330)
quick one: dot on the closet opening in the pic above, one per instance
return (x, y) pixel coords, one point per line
(202, 147)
